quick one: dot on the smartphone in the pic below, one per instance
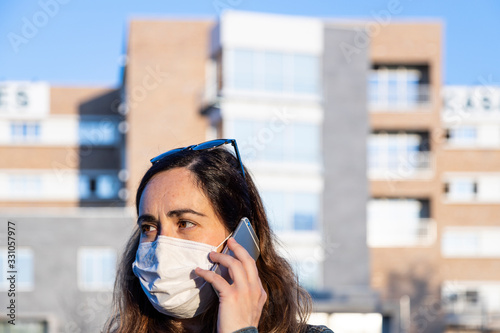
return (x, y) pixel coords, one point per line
(246, 237)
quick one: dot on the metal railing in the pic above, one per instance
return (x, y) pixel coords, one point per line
(407, 166)
(408, 101)
(397, 233)
(473, 319)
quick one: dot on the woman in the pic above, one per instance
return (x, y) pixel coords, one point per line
(189, 202)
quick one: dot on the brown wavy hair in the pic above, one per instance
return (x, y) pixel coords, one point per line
(232, 196)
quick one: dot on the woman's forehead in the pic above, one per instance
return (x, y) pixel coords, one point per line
(173, 189)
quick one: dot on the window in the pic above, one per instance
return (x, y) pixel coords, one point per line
(98, 186)
(479, 297)
(485, 135)
(97, 132)
(289, 211)
(306, 211)
(25, 131)
(393, 152)
(483, 187)
(271, 142)
(244, 70)
(23, 267)
(97, 269)
(272, 72)
(462, 189)
(23, 325)
(471, 242)
(23, 186)
(399, 223)
(106, 187)
(305, 78)
(394, 86)
(306, 142)
(464, 135)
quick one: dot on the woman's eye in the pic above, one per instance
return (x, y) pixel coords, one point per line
(145, 228)
(185, 224)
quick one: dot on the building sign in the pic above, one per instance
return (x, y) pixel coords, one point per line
(24, 99)
(473, 98)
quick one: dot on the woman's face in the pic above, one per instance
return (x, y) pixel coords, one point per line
(172, 205)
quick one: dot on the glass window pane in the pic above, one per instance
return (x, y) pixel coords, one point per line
(306, 143)
(373, 88)
(25, 269)
(463, 135)
(97, 133)
(106, 187)
(23, 326)
(88, 268)
(412, 88)
(243, 132)
(97, 268)
(274, 203)
(306, 74)
(397, 87)
(244, 69)
(306, 208)
(272, 142)
(461, 189)
(274, 72)
(25, 131)
(84, 186)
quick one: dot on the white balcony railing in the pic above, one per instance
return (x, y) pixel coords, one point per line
(401, 233)
(474, 319)
(403, 166)
(402, 100)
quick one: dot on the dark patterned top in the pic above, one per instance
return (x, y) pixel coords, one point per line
(310, 329)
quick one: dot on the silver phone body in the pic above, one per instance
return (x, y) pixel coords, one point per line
(246, 237)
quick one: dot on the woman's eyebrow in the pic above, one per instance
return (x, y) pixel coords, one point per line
(146, 218)
(178, 212)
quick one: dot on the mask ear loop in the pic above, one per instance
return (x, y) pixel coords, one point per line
(229, 236)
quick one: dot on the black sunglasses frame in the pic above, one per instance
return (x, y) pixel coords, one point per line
(202, 146)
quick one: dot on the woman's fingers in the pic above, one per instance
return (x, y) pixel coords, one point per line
(246, 260)
(217, 281)
(238, 269)
(240, 304)
(235, 266)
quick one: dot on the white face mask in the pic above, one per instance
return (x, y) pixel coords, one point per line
(165, 269)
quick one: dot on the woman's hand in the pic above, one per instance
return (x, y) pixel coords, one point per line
(241, 303)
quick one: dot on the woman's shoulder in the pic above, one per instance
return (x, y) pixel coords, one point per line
(317, 329)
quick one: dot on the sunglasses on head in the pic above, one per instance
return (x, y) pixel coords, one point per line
(204, 145)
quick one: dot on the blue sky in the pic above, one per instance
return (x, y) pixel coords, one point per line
(81, 43)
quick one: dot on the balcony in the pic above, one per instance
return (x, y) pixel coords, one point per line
(100, 186)
(415, 165)
(471, 305)
(399, 88)
(401, 233)
(473, 319)
(416, 98)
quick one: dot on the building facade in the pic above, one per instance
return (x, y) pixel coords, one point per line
(382, 196)
(432, 163)
(470, 197)
(62, 194)
(404, 104)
